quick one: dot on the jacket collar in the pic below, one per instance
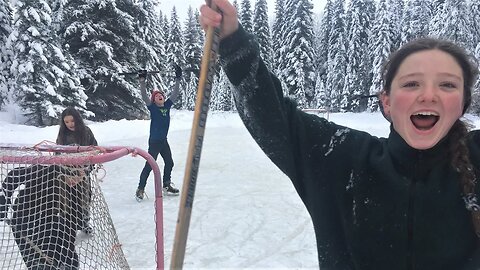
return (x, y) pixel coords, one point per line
(413, 163)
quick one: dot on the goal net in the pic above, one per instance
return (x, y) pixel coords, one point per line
(53, 214)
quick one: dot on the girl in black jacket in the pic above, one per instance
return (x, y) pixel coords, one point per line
(408, 201)
(44, 217)
(73, 131)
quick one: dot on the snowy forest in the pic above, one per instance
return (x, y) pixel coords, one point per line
(59, 53)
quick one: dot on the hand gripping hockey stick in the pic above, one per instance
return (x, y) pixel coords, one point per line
(207, 71)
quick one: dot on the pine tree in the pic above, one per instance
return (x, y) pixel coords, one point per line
(475, 20)
(174, 53)
(221, 93)
(357, 70)
(299, 74)
(6, 53)
(454, 25)
(336, 58)
(193, 54)
(262, 32)
(319, 89)
(475, 24)
(149, 48)
(246, 15)
(415, 20)
(44, 85)
(395, 10)
(382, 42)
(323, 37)
(475, 108)
(101, 37)
(278, 31)
(71, 87)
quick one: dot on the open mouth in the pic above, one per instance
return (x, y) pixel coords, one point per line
(424, 120)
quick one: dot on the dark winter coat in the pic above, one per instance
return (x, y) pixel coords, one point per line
(375, 203)
(46, 213)
(70, 139)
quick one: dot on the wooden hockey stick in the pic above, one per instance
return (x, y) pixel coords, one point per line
(207, 71)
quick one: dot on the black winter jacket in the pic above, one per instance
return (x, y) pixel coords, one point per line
(375, 203)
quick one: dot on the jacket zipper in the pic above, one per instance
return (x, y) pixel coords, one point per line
(411, 214)
(410, 217)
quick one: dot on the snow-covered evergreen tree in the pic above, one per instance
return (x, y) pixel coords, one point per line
(395, 10)
(6, 52)
(382, 42)
(221, 93)
(452, 24)
(319, 86)
(101, 37)
(475, 24)
(44, 85)
(174, 54)
(245, 15)
(415, 20)
(437, 16)
(278, 30)
(149, 46)
(261, 30)
(74, 91)
(193, 53)
(358, 61)
(475, 20)
(322, 46)
(302, 55)
(336, 57)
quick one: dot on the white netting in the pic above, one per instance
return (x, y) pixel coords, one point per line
(53, 213)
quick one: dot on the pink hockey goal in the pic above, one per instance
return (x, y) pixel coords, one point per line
(53, 214)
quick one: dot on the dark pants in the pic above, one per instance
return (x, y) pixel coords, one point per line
(155, 148)
(81, 198)
(48, 244)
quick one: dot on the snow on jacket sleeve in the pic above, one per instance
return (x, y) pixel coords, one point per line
(258, 94)
(292, 139)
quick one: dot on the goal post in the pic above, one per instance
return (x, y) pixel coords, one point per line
(324, 112)
(53, 214)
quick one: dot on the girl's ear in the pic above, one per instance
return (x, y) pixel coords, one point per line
(385, 105)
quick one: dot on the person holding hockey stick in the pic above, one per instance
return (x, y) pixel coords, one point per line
(73, 131)
(159, 106)
(44, 217)
(409, 201)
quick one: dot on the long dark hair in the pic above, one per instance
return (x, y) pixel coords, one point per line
(459, 154)
(80, 133)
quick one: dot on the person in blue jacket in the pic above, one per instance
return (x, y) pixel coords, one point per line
(409, 201)
(159, 106)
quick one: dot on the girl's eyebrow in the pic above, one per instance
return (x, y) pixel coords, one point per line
(448, 74)
(452, 75)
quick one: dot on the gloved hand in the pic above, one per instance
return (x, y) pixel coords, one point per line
(178, 72)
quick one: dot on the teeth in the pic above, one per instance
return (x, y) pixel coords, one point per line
(426, 113)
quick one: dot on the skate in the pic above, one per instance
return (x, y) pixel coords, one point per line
(139, 194)
(170, 190)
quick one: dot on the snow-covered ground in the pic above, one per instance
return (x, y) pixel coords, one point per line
(246, 213)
